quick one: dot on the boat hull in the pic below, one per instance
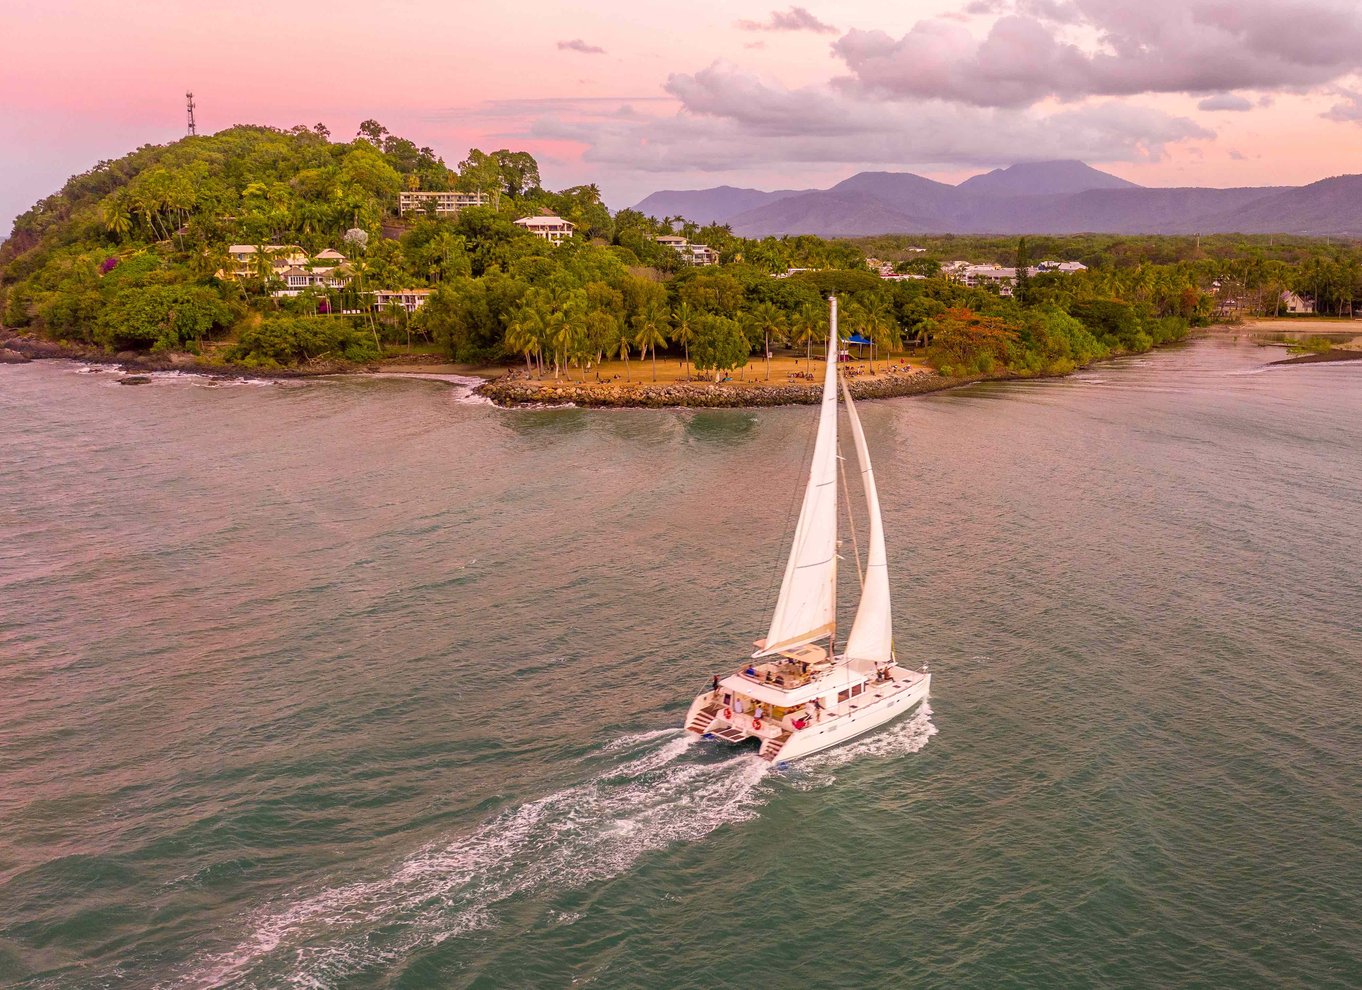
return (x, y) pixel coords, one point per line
(834, 732)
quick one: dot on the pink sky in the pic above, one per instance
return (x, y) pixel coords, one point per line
(708, 93)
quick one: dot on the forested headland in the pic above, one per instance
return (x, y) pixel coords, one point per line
(133, 256)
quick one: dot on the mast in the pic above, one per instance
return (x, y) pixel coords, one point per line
(872, 631)
(806, 610)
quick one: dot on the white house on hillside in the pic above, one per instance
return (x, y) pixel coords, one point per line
(695, 255)
(555, 230)
(409, 299)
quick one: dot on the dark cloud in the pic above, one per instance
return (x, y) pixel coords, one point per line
(578, 45)
(1155, 46)
(1226, 101)
(794, 19)
(730, 120)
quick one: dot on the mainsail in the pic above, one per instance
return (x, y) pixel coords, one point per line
(872, 632)
(807, 608)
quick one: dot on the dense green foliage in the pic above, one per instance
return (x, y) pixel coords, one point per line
(281, 341)
(1251, 270)
(134, 255)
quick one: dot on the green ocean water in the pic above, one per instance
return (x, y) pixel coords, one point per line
(365, 684)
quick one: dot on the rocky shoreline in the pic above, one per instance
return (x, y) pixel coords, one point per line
(22, 348)
(709, 395)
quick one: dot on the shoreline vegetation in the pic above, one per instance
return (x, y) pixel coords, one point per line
(284, 253)
(607, 388)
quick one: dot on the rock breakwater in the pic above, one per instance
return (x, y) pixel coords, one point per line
(705, 395)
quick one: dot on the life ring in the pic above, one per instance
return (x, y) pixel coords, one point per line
(728, 713)
(756, 725)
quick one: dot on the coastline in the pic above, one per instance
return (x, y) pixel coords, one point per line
(18, 348)
(711, 395)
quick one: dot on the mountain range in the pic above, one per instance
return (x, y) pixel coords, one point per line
(1062, 197)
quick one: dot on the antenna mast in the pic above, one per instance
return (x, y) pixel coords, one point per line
(189, 102)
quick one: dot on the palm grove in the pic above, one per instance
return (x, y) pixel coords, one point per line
(132, 255)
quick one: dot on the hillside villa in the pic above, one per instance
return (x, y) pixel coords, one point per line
(409, 299)
(555, 230)
(695, 255)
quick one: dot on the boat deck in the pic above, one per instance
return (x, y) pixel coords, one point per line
(867, 692)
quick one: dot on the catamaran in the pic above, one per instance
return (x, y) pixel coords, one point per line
(795, 694)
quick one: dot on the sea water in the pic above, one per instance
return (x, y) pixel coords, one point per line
(360, 683)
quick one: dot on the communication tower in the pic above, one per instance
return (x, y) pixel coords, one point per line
(189, 101)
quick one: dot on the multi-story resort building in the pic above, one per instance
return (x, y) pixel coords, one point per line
(409, 299)
(695, 255)
(446, 203)
(555, 230)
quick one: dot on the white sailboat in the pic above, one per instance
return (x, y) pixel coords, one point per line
(797, 695)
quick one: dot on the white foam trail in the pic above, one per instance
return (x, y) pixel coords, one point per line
(590, 832)
(634, 738)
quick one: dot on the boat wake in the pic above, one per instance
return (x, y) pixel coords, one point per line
(586, 833)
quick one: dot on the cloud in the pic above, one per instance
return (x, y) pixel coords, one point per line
(794, 19)
(1156, 46)
(1349, 110)
(578, 45)
(730, 119)
(1225, 101)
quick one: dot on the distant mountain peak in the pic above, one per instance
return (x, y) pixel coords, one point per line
(1043, 179)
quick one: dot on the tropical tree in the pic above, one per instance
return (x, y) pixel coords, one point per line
(811, 325)
(720, 344)
(879, 325)
(768, 319)
(649, 326)
(683, 331)
(522, 336)
(623, 345)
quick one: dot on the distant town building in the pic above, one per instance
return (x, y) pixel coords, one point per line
(1293, 303)
(446, 203)
(409, 299)
(1002, 278)
(695, 255)
(555, 230)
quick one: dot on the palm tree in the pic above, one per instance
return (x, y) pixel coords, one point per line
(649, 325)
(812, 319)
(624, 352)
(564, 339)
(522, 338)
(880, 326)
(770, 320)
(117, 219)
(683, 323)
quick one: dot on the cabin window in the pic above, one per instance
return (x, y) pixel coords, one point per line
(843, 696)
